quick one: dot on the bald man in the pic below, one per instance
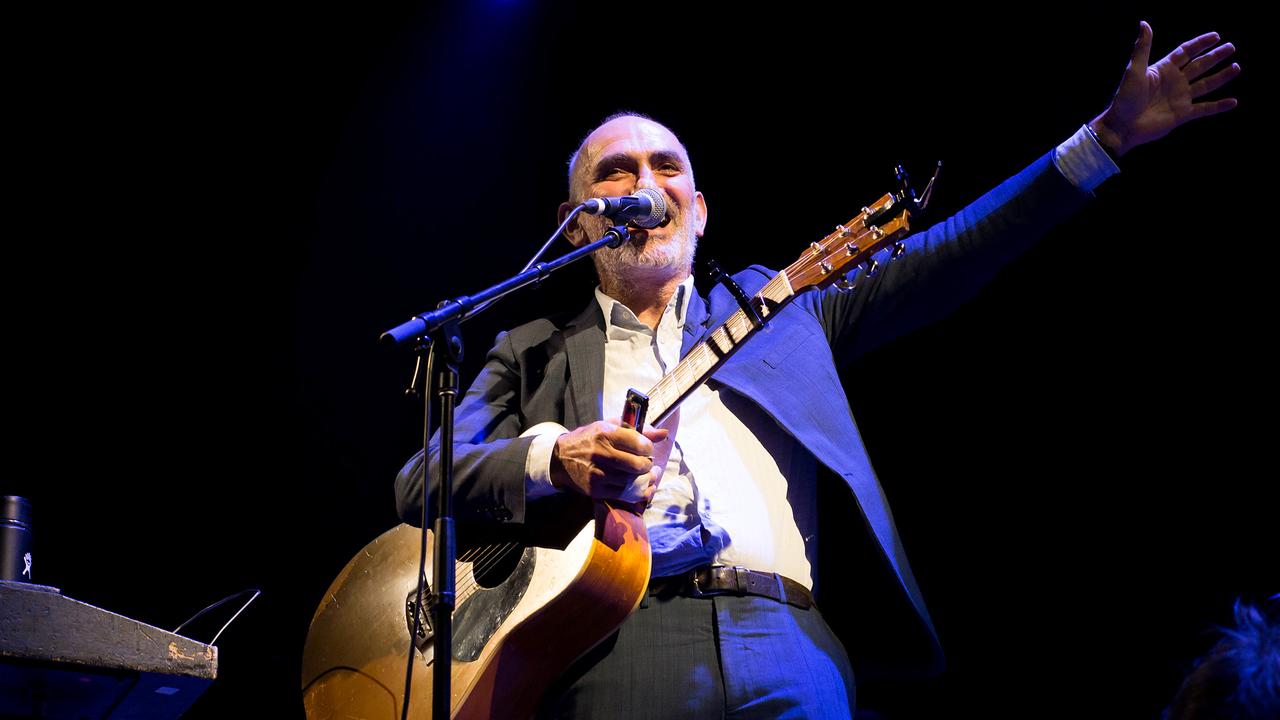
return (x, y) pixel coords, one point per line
(730, 627)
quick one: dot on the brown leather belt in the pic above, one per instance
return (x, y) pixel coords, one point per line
(722, 580)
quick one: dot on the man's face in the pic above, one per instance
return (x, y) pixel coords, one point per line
(619, 158)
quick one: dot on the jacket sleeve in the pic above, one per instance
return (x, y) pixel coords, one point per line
(948, 264)
(489, 457)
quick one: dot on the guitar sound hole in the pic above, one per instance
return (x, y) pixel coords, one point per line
(503, 574)
(494, 564)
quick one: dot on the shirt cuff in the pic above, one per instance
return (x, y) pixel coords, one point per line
(1084, 162)
(537, 467)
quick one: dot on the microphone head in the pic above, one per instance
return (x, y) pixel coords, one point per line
(657, 205)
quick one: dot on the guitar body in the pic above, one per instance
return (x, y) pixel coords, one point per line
(516, 607)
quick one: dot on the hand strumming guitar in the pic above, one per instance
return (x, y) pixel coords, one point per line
(605, 461)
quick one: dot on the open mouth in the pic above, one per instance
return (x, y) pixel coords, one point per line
(637, 229)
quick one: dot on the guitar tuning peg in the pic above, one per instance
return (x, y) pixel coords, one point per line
(872, 266)
(844, 284)
(899, 249)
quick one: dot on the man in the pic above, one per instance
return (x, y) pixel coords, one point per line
(731, 482)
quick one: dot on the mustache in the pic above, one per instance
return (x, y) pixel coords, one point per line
(667, 220)
(597, 225)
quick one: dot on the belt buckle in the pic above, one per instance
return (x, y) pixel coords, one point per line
(695, 590)
(715, 573)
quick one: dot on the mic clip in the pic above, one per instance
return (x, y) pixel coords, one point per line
(718, 275)
(618, 235)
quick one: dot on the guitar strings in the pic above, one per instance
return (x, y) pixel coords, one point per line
(463, 568)
(469, 573)
(488, 559)
(471, 586)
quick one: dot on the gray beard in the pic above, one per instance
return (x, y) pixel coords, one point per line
(631, 268)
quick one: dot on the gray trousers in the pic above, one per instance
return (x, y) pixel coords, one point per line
(714, 657)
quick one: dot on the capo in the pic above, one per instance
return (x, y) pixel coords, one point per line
(908, 193)
(720, 276)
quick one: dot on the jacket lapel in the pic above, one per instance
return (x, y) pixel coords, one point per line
(696, 319)
(584, 343)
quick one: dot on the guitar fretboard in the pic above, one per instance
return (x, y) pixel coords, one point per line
(709, 354)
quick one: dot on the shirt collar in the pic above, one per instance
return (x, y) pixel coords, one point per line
(615, 313)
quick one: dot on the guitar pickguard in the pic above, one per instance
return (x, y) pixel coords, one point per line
(478, 619)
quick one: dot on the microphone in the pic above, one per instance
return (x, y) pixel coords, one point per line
(647, 208)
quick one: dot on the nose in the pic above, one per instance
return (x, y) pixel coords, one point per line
(645, 178)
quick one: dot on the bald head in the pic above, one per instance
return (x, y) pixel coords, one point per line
(642, 129)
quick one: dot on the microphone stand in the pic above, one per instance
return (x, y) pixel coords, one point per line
(438, 335)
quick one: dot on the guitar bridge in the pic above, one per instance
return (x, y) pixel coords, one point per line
(426, 630)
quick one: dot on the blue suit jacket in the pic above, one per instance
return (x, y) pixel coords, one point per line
(553, 369)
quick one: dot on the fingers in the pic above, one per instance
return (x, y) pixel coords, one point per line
(617, 487)
(622, 454)
(1205, 109)
(639, 487)
(654, 434)
(605, 461)
(629, 441)
(1215, 81)
(657, 435)
(627, 476)
(1191, 49)
(1202, 64)
(654, 478)
(614, 461)
(1142, 48)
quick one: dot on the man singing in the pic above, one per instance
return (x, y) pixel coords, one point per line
(729, 627)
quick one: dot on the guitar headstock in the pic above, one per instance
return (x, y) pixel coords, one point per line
(852, 244)
(878, 226)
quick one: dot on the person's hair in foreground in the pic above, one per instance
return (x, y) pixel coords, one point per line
(1239, 679)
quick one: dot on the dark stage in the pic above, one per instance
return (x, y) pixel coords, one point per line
(221, 208)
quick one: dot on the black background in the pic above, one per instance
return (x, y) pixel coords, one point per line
(218, 209)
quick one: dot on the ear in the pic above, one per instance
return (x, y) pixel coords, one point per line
(577, 236)
(699, 213)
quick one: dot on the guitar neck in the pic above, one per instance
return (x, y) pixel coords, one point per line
(708, 355)
(852, 244)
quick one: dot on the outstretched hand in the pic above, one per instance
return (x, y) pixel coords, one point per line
(1152, 100)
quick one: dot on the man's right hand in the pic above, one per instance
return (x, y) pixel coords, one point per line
(604, 461)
